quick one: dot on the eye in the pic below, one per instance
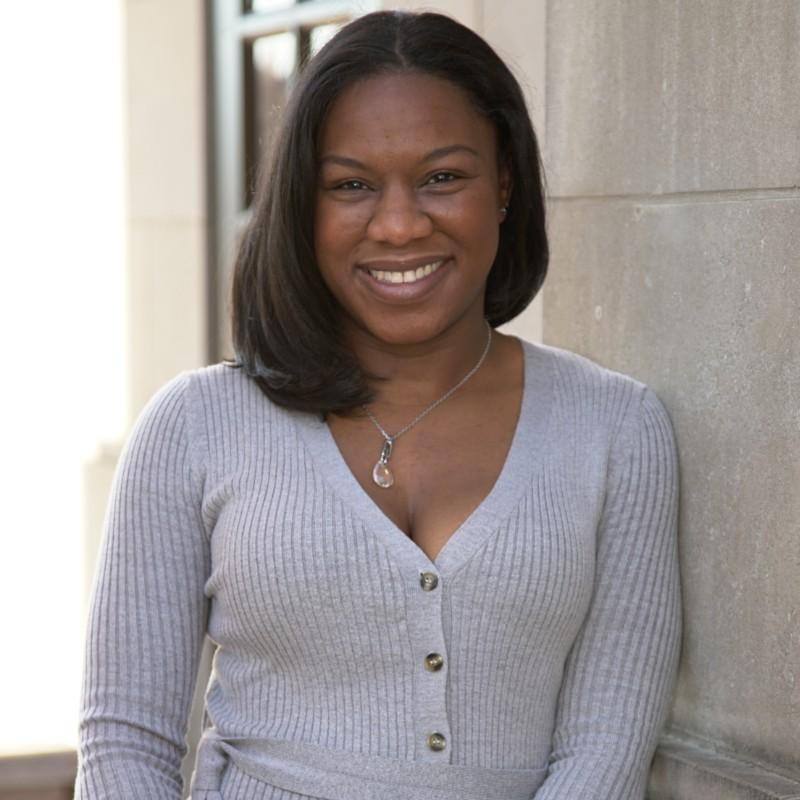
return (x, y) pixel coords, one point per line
(350, 186)
(442, 177)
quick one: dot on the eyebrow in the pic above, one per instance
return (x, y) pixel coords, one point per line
(439, 152)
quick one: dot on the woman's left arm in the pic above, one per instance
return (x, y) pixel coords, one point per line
(620, 674)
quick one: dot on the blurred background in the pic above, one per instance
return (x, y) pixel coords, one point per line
(64, 323)
(131, 133)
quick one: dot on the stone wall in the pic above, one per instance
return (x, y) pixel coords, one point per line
(673, 159)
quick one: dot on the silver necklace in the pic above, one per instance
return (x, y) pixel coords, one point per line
(381, 474)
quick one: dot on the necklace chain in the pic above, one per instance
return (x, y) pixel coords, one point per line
(424, 413)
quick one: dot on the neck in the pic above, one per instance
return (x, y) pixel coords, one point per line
(416, 373)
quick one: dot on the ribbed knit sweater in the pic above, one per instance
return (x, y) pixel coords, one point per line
(554, 608)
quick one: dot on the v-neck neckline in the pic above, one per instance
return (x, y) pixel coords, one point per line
(522, 461)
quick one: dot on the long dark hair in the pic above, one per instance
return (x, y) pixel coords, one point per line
(285, 320)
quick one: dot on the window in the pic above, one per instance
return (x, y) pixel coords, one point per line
(258, 49)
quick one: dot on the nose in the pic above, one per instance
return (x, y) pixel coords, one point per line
(397, 217)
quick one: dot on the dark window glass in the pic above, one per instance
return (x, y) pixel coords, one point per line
(270, 64)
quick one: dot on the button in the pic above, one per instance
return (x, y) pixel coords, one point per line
(434, 662)
(437, 742)
(428, 581)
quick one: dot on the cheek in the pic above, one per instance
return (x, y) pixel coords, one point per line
(338, 226)
(337, 232)
(470, 219)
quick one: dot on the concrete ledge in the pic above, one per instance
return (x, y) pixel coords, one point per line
(44, 776)
(687, 770)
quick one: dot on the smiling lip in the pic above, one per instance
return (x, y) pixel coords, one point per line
(410, 275)
(405, 280)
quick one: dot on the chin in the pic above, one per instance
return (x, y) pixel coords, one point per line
(411, 332)
(399, 338)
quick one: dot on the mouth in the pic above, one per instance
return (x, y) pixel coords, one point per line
(405, 276)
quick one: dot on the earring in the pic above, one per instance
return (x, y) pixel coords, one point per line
(503, 212)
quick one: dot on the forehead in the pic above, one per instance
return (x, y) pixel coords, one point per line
(404, 112)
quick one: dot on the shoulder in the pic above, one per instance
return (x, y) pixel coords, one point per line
(194, 392)
(216, 382)
(222, 389)
(582, 389)
(213, 416)
(228, 413)
(203, 398)
(579, 372)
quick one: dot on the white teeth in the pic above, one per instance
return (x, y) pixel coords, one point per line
(408, 276)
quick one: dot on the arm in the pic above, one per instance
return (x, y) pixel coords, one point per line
(620, 673)
(148, 613)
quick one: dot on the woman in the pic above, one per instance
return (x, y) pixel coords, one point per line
(437, 562)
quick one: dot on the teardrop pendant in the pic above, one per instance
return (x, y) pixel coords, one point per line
(381, 473)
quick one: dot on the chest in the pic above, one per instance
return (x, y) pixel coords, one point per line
(295, 563)
(442, 468)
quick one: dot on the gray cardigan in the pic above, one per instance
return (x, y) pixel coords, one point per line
(554, 610)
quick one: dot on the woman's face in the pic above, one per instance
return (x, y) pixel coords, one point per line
(407, 206)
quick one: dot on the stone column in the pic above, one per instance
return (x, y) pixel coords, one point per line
(167, 222)
(673, 159)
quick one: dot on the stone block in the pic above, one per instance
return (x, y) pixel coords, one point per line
(700, 300)
(686, 770)
(678, 96)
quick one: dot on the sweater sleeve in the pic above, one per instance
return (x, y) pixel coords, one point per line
(148, 613)
(620, 673)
